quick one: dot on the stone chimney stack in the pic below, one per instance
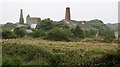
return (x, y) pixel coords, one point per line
(21, 20)
(67, 14)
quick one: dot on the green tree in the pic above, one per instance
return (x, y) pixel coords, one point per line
(8, 26)
(7, 34)
(46, 24)
(38, 33)
(61, 25)
(20, 32)
(89, 33)
(59, 34)
(107, 35)
(78, 32)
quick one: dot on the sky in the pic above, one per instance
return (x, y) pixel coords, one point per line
(105, 10)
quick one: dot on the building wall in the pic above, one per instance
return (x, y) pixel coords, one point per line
(31, 20)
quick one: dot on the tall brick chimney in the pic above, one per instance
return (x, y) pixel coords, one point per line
(67, 14)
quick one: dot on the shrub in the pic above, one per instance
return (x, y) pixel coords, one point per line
(12, 61)
(46, 24)
(89, 33)
(20, 32)
(78, 33)
(59, 34)
(7, 34)
(38, 33)
(108, 39)
(56, 59)
(107, 35)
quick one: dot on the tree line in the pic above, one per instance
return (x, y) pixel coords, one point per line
(52, 30)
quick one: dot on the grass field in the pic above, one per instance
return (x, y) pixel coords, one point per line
(28, 51)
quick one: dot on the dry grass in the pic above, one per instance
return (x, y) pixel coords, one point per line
(77, 45)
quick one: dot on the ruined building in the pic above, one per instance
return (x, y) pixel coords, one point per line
(32, 20)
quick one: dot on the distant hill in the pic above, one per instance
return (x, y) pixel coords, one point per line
(84, 25)
(113, 27)
(92, 24)
(98, 24)
(8, 26)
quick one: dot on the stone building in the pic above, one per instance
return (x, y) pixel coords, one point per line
(32, 20)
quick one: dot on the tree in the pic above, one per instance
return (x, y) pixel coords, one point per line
(38, 33)
(61, 25)
(8, 26)
(78, 32)
(7, 34)
(20, 32)
(46, 24)
(107, 35)
(59, 34)
(89, 33)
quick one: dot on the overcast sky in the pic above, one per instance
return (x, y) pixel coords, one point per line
(105, 10)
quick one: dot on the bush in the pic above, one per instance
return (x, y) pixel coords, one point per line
(13, 54)
(12, 61)
(89, 33)
(46, 24)
(38, 33)
(108, 39)
(110, 59)
(7, 34)
(56, 59)
(59, 34)
(107, 35)
(78, 33)
(20, 32)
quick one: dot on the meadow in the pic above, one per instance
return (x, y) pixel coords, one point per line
(35, 51)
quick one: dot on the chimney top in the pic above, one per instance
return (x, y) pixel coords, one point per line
(67, 14)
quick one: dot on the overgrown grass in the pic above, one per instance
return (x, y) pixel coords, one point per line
(27, 51)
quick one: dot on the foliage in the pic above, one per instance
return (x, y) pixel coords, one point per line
(14, 54)
(98, 24)
(12, 61)
(42, 52)
(38, 33)
(7, 34)
(46, 24)
(107, 35)
(61, 25)
(56, 59)
(19, 32)
(8, 26)
(59, 34)
(78, 33)
(110, 58)
(89, 33)
(113, 27)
